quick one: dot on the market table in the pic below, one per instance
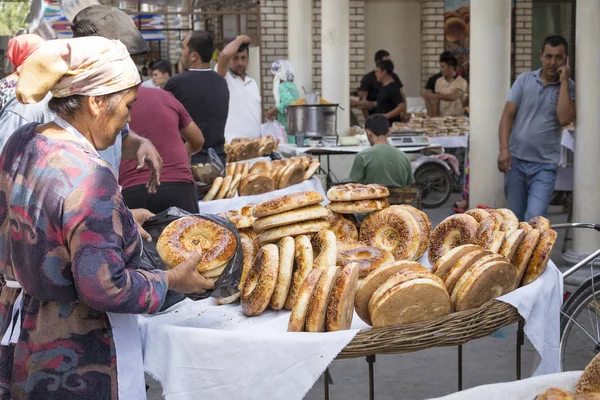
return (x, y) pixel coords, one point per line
(200, 350)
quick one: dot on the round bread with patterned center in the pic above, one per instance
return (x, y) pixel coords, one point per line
(189, 235)
(524, 252)
(317, 310)
(486, 231)
(291, 175)
(357, 191)
(447, 261)
(425, 224)
(290, 217)
(589, 381)
(394, 230)
(345, 226)
(261, 281)
(511, 243)
(297, 320)
(495, 245)
(478, 213)
(367, 287)
(324, 248)
(409, 297)
(366, 258)
(254, 184)
(463, 264)
(261, 167)
(541, 223)
(454, 231)
(340, 309)
(288, 202)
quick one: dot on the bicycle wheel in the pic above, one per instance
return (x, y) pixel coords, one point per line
(580, 326)
(436, 184)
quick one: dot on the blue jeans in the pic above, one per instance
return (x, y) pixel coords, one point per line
(528, 187)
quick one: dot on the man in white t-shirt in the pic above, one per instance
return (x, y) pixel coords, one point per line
(244, 118)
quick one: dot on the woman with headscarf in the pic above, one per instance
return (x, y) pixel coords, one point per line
(67, 238)
(284, 91)
(19, 48)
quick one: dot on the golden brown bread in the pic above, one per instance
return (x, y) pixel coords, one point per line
(290, 217)
(237, 218)
(511, 243)
(261, 167)
(254, 184)
(539, 259)
(317, 309)
(340, 308)
(366, 258)
(189, 235)
(345, 226)
(230, 169)
(249, 249)
(555, 394)
(425, 224)
(392, 229)
(234, 185)
(291, 175)
(303, 264)
(483, 282)
(358, 206)
(214, 189)
(288, 202)
(459, 268)
(408, 297)
(299, 228)
(284, 278)
(589, 381)
(478, 213)
(541, 223)
(297, 320)
(357, 191)
(524, 252)
(452, 232)
(324, 246)
(224, 187)
(497, 241)
(376, 278)
(486, 231)
(261, 281)
(311, 169)
(525, 226)
(447, 261)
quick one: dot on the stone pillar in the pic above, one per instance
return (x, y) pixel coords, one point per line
(335, 56)
(300, 42)
(587, 142)
(490, 57)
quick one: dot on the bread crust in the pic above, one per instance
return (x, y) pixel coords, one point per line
(303, 265)
(358, 206)
(254, 184)
(340, 308)
(317, 309)
(459, 268)
(249, 249)
(299, 228)
(366, 258)
(495, 245)
(425, 224)
(234, 185)
(290, 217)
(288, 202)
(261, 167)
(478, 213)
(539, 259)
(541, 223)
(524, 252)
(291, 175)
(261, 281)
(324, 249)
(486, 231)
(214, 189)
(345, 226)
(589, 381)
(392, 229)
(357, 191)
(511, 243)
(311, 169)
(447, 261)
(224, 187)
(454, 231)
(297, 320)
(284, 278)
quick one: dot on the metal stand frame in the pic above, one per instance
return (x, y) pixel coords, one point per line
(371, 361)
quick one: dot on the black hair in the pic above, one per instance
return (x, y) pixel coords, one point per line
(244, 47)
(67, 106)
(378, 124)
(202, 43)
(445, 55)
(380, 55)
(450, 60)
(386, 65)
(163, 66)
(554, 41)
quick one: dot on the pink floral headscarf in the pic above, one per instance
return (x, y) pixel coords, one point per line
(88, 66)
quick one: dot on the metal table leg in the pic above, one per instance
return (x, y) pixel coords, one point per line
(326, 379)
(460, 365)
(520, 343)
(371, 361)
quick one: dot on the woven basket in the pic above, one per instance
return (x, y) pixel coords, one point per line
(451, 330)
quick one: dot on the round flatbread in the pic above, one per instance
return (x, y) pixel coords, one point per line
(290, 217)
(340, 309)
(288, 202)
(357, 191)
(224, 187)
(358, 207)
(214, 189)
(299, 228)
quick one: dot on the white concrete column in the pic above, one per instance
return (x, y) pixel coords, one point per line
(300, 43)
(488, 90)
(335, 57)
(586, 207)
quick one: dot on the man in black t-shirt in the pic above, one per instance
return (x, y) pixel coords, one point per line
(430, 102)
(369, 86)
(389, 100)
(203, 92)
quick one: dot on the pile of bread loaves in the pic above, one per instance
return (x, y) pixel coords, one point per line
(264, 176)
(240, 149)
(586, 388)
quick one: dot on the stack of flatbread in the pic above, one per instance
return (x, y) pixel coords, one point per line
(290, 215)
(226, 187)
(240, 149)
(355, 198)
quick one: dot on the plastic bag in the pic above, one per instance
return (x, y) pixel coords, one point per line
(225, 286)
(274, 128)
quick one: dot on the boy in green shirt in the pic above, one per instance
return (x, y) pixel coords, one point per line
(381, 163)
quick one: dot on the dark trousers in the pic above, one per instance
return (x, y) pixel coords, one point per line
(169, 194)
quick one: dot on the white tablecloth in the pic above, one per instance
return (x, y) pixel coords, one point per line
(525, 389)
(235, 203)
(199, 350)
(450, 141)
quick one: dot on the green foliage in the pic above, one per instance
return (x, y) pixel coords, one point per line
(12, 16)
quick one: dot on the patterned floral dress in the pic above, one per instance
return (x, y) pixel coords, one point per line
(7, 91)
(67, 237)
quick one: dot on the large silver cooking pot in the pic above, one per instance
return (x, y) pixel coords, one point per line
(312, 120)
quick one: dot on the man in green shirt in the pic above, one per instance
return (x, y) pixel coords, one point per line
(381, 163)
